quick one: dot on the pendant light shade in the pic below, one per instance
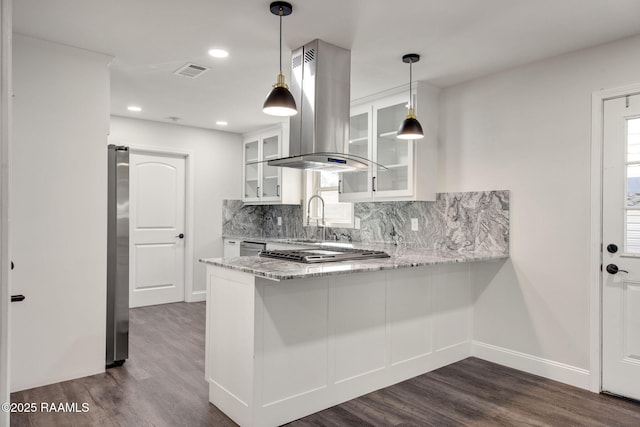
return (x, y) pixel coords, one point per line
(410, 127)
(280, 102)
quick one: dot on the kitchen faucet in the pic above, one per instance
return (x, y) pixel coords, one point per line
(315, 196)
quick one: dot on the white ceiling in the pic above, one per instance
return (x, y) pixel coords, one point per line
(458, 40)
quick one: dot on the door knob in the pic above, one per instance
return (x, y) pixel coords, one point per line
(17, 298)
(181, 235)
(612, 249)
(613, 269)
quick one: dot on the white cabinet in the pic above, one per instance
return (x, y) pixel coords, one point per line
(277, 351)
(264, 184)
(403, 170)
(356, 185)
(231, 248)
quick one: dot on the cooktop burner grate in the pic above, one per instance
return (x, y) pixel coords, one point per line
(313, 255)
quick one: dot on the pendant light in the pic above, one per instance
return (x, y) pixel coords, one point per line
(410, 127)
(280, 102)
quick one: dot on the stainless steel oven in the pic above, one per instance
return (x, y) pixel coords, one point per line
(249, 248)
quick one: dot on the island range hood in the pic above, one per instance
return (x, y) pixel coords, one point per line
(319, 133)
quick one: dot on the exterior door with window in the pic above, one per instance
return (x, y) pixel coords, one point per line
(621, 247)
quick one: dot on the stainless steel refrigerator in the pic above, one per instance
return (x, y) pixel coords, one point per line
(118, 257)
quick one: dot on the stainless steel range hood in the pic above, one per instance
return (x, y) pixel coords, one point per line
(319, 133)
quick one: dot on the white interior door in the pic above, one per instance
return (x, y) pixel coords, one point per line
(621, 247)
(157, 222)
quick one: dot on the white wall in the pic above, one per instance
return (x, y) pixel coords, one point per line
(218, 176)
(58, 212)
(5, 127)
(528, 130)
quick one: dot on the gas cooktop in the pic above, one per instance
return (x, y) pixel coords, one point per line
(314, 255)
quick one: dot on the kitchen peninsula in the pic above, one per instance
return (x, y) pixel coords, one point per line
(286, 339)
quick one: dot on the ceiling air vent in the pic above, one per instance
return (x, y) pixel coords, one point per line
(191, 70)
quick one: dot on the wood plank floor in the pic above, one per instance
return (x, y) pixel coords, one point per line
(162, 384)
(474, 392)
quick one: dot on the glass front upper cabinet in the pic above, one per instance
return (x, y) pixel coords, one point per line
(270, 174)
(373, 135)
(251, 170)
(356, 185)
(262, 183)
(392, 169)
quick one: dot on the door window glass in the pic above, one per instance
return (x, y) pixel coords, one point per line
(632, 199)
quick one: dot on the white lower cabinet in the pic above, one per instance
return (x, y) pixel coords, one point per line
(277, 351)
(231, 248)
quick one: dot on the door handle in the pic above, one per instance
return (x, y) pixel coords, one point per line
(17, 298)
(181, 235)
(613, 269)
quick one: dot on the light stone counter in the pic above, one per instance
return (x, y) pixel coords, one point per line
(401, 257)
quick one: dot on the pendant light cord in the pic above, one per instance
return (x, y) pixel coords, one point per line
(410, 79)
(280, 13)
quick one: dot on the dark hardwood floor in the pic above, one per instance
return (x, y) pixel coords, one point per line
(162, 384)
(474, 392)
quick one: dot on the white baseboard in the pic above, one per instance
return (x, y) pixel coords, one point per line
(197, 296)
(550, 369)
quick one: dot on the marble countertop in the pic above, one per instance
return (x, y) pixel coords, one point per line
(401, 257)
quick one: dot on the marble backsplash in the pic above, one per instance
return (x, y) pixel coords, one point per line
(460, 222)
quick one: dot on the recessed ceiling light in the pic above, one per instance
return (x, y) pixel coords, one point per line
(221, 123)
(134, 108)
(218, 53)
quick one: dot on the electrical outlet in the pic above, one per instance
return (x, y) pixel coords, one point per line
(279, 220)
(414, 224)
(356, 225)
